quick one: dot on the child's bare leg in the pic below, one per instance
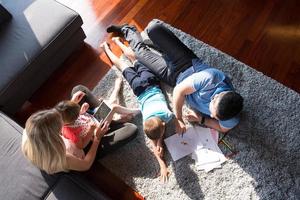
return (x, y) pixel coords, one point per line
(128, 52)
(120, 64)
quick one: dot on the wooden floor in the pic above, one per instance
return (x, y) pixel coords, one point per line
(265, 34)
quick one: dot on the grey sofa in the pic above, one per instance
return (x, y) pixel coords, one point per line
(20, 180)
(34, 42)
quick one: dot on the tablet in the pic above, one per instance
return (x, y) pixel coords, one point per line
(102, 112)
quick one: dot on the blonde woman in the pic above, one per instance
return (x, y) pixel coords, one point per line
(44, 146)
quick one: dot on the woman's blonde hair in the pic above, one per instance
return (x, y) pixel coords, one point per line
(42, 143)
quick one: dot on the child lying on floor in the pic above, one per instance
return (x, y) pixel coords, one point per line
(152, 102)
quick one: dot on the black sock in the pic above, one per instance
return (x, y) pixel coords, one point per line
(115, 28)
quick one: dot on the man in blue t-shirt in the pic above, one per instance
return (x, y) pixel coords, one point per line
(207, 90)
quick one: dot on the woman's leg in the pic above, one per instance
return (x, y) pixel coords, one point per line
(119, 135)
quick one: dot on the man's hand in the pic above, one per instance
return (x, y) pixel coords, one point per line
(77, 96)
(180, 127)
(192, 116)
(164, 174)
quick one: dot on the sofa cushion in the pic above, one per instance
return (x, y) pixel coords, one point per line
(36, 32)
(75, 188)
(19, 179)
(4, 15)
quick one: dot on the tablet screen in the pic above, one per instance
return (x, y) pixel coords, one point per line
(102, 111)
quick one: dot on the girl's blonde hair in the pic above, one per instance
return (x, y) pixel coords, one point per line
(42, 143)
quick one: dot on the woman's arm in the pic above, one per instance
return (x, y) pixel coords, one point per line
(85, 164)
(78, 164)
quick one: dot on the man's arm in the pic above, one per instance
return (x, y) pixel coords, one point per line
(179, 93)
(212, 123)
(193, 116)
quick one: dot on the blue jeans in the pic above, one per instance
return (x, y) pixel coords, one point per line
(140, 78)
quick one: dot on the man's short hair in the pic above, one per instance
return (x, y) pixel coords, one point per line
(154, 128)
(229, 105)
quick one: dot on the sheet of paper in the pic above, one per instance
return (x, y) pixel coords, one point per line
(208, 155)
(179, 146)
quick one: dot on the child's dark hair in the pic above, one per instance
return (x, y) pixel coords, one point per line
(154, 128)
(69, 111)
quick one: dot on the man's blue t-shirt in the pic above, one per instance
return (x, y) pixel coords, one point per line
(207, 81)
(153, 104)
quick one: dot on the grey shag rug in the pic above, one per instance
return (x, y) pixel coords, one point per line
(268, 140)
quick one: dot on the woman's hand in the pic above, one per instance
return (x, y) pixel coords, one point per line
(77, 96)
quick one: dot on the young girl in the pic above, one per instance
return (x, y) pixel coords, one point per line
(78, 122)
